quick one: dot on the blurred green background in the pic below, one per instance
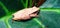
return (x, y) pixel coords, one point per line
(49, 16)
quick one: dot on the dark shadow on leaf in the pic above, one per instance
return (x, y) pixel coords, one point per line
(24, 20)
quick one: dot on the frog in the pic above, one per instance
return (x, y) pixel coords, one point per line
(26, 14)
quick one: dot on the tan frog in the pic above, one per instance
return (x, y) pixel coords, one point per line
(26, 14)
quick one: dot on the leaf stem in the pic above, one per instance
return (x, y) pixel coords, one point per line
(39, 22)
(30, 3)
(6, 22)
(23, 3)
(49, 9)
(26, 3)
(4, 7)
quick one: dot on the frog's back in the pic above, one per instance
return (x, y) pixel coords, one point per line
(26, 11)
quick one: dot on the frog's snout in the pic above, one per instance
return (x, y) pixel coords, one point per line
(14, 19)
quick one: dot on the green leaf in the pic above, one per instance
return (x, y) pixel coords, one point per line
(48, 18)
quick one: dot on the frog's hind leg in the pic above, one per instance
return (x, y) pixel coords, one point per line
(35, 14)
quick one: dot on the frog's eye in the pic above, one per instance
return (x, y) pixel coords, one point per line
(12, 15)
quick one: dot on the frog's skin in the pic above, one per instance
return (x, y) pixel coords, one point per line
(26, 13)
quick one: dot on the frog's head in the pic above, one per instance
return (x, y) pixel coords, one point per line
(14, 17)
